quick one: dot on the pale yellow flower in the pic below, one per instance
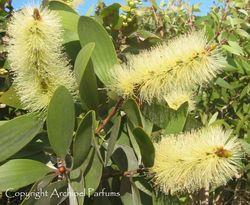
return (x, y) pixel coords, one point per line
(177, 97)
(36, 57)
(199, 159)
(182, 63)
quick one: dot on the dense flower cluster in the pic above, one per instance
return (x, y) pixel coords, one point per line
(36, 57)
(199, 159)
(182, 63)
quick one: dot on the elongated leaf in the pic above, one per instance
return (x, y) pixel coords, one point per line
(93, 174)
(21, 172)
(104, 55)
(131, 108)
(82, 60)
(88, 88)
(113, 137)
(173, 121)
(124, 157)
(146, 147)
(61, 121)
(56, 5)
(86, 77)
(16, 133)
(134, 142)
(84, 135)
(32, 200)
(54, 194)
(69, 22)
(72, 48)
(77, 184)
(221, 82)
(129, 192)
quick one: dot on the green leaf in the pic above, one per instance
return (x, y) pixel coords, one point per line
(50, 197)
(221, 82)
(213, 118)
(72, 49)
(56, 5)
(82, 60)
(11, 98)
(61, 121)
(93, 173)
(131, 108)
(3, 122)
(84, 135)
(124, 157)
(21, 172)
(110, 15)
(89, 89)
(173, 121)
(233, 48)
(113, 137)
(129, 192)
(69, 22)
(16, 133)
(41, 184)
(133, 141)
(86, 77)
(77, 184)
(104, 55)
(146, 146)
(243, 33)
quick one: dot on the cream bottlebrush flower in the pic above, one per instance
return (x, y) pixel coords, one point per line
(184, 62)
(124, 86)
(36, 57)
(176, 98)
(195, 160)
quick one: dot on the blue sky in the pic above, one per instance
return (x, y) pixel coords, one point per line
(206, 4)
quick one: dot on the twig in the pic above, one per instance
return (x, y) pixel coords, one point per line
(110, 115)
(129, 173)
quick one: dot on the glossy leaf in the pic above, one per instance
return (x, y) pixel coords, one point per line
(16, 133)
(221, 82)
(82, 60)
(173, 121)
(146, 147)
(131, 108)
(89, 89)
(86, 77)
(83, 139)
(104, 55)
(21, 172)
(93, 173)
(113, 137)
(77, 184)
(56, 5)
(129, 192)
(61, 121)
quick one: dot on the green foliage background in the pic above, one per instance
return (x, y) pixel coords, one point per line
(99, 160)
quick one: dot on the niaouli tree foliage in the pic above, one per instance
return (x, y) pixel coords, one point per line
(148, 103)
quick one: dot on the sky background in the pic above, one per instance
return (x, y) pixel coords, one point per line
(206, 4)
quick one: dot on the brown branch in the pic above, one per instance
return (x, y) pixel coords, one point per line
(110, 115)
(129, 173)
